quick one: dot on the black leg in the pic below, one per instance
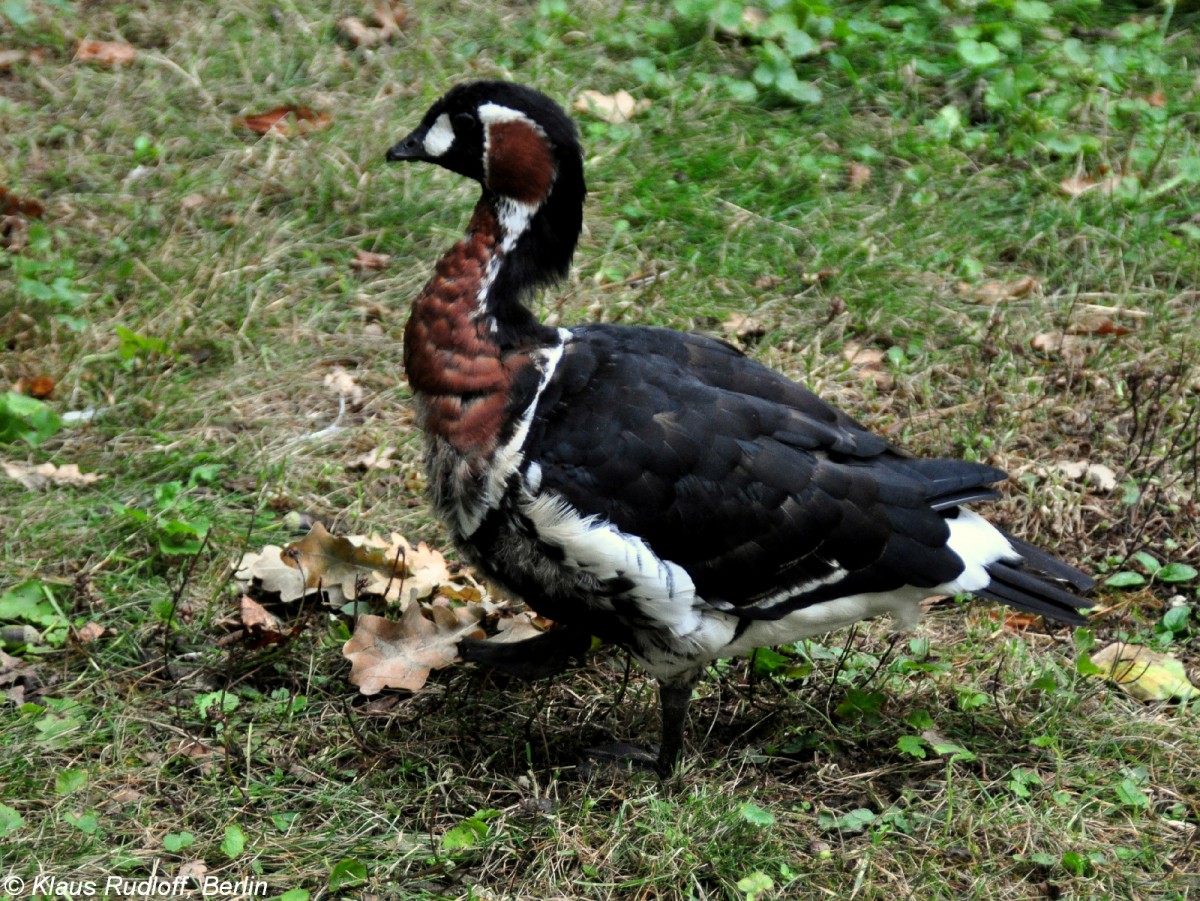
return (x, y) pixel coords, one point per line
(539, 657)
(674, 696)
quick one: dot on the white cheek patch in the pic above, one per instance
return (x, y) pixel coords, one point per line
(440, 136)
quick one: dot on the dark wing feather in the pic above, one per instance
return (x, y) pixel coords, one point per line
(744, 478)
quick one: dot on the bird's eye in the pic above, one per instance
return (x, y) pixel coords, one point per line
(464, 118)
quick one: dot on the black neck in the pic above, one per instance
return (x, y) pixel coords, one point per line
(540, 257)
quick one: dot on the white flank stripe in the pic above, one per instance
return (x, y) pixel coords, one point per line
(787, 594)
(440, 136)
(662, 591)
(978, 544)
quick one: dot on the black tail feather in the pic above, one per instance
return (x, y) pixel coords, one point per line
(1031, 589)
(1050, 566)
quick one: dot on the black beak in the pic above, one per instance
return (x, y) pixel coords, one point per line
(409, 148)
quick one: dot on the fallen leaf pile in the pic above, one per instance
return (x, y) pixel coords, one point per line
(436, 604)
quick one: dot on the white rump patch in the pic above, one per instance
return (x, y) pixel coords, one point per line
(978, 544)
(440, 136)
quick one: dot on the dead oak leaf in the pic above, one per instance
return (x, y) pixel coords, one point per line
(267, 571)
(401, 654)
(105, 53)
(337, 561)
(285, 121)
(615, 109)
(260, 622)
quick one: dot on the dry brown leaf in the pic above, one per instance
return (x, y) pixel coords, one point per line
(285, 121)
(359, 33)
(105, 53)
(369, 261)
(1156, 99)
(1143, 673)
(37, 478)
(1071, 349)
(17, 677)
(517, 627)
(380, 458)
(267, 572)
(14, 205)
(1097, 324)
(1082, 183)
(192, 202)
(994, 291)
(745, 326)
(335, 561)
(867, 363)
(14, 233)
(193, 869)
(342, 383)
(9, 58)
(766, 282)
(1019, 622)
(124, 796)
(1097, 475)
(858, 175)
(40, 386)
(260, 622)
(350, 568)
(615, 109)
(386, 654)
(88, 632)
(387, 21)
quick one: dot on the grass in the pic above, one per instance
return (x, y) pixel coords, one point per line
(190, 283)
